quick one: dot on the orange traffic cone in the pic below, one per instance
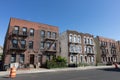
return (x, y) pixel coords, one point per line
(13, 72)
(116, 65)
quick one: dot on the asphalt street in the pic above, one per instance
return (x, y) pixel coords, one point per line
(93, 74)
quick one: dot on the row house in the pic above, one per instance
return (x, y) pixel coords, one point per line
(29, 44)
(118, 51)
(107, 51)
(77, 47)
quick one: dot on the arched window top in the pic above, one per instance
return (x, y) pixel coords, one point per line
(79, 39)
(70, 37)
(70, 34)
(75, 38)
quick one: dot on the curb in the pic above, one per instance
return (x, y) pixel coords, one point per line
(6, 73)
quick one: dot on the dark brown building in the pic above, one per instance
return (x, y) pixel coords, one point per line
(29, 44)
(107, 52)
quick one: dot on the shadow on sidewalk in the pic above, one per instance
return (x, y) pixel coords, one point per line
(111, 69)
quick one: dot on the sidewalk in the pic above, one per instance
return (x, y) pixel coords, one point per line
(41, 70)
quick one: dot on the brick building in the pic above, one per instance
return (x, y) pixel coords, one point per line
(77, 47)
(29, 44)
(107, 51)
(118, 51)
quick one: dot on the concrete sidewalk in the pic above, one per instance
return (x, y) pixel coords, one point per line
(41, 70)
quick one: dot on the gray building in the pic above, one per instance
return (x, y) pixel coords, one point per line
(77, 47)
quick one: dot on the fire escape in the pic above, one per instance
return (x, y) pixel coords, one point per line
(104, 49)
(50, 44)
(17, 40)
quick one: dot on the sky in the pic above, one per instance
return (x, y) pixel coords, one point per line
(97, 17)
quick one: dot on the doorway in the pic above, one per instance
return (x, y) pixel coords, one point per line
(31, 58)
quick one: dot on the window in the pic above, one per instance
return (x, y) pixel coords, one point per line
(31, 32)
(23, 43)
(70, 38)
(88, 41)
(48, 57)
(81, 58)
(79, 39)
(89, 50)
(85, 41)
(49, 34)
(54, 46)
(42, 33)
(85, 58)
(42, 45)
(15, 43)
(71, 59)
(85, 49)
(79, 49)
(91, 41)
(48, 44)
(30, 44)
(71, 48)
(24, 30)
(21, 58)
(54, 35)
(75, 38)
(16, 30)
(13, 58)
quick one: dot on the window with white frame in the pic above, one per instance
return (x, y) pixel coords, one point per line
(91, 41)
(79, 39)
(75, 38)
(85, 40)
(71, 58)
(76, 48)
(79, 49)
(85, 49)
(71, 48)
(92, 59)
(88, 41)
(70, 38)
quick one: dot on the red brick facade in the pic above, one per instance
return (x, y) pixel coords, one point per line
(35, 56)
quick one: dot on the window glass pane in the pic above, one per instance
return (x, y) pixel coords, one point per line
(16, 27)
(30, 44)
(24, 29)
(53, 35)
(23, 42)
(31, 32)
(13, 58)
(42, 45)
(42, 33)
(21, 58)
(14, 41)
(48, 44)
(70, 38)
(71, 58)
(54, 46)
(48, 34)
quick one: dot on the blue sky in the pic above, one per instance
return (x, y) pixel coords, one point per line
(98, 17)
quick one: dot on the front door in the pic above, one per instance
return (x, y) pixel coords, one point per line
(31, 58)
